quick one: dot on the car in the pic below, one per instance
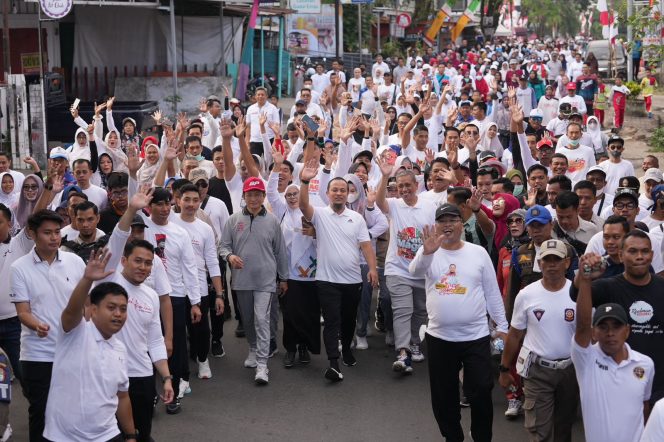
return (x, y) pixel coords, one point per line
(601, 51)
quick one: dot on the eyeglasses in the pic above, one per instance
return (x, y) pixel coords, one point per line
(620, 206)
(517, 221)
(202, 184)
(292, 195)
(119, 193)
(472, 133)
(30, 187)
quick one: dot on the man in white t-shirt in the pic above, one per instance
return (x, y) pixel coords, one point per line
(615, 381)
(320, 80)
(408, 216)
(576, 101)
(580, 158)
(262, 106)
(616, 167)
(341, 235)
(83, 172)
(544, 319)
(461, 287)
(379, 64)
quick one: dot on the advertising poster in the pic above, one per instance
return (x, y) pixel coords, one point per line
(312, 34)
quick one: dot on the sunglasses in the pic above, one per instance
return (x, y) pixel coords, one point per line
(30, 187)
(202, 184)
(515, 221)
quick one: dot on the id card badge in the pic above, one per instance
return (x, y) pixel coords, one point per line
(5, 379)
(523, 361)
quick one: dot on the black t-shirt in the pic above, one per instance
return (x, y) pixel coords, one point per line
(108, 219)
(218, 189)
(645, 310)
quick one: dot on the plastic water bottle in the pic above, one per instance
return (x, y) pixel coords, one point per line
(499, 345)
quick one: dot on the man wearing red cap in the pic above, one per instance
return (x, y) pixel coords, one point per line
(576, 101)
(253, 244)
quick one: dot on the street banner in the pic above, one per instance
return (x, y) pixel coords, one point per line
(443, 14)
(467, 17)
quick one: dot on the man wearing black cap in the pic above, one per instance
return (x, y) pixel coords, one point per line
(616, 167)
(525, 95)
(558, 126)
(461, 287)
(638, 291)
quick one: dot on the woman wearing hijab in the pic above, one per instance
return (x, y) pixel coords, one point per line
(503, 205)
(364, 204)
(150, 166)
(491, 142)
(80, 148)
(7, 195)
(300, 306)
(600, 140)
(537, 84)
(31, 190)
(111, 146)
(516, 177)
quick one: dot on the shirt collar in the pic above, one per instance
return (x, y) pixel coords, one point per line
(37, 258)
(262, 212)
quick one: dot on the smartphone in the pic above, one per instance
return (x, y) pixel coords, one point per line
(226, 115)
(313, 126)
(76, 103)
(278, 144)
(356, 104)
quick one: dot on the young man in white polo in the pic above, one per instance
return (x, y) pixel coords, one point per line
(544, 320)
(341, 235)
(89, 396)
(615, 381)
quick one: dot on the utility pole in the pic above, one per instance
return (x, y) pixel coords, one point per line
(337, 37)
(630, 62)
(359, 30)
(6, 47)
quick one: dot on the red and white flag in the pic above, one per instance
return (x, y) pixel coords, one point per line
(609, 21)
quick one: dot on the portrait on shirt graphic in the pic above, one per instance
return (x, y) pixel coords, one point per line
(409, 241)
(160, 239)
(449, 283)
(576, 164)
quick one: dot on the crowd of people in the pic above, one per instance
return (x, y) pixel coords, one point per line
(473, 189)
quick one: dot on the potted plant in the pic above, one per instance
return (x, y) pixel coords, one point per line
(635, 103)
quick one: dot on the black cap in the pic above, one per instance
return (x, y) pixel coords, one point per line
(615, 138)
(486, 154)
(447, 209)
(565, 108)
(300, 103)
(611, 310)
(160, 194)
(363, 153)
(575, 114)
(626, 191)
(138, 221)
(629, 181)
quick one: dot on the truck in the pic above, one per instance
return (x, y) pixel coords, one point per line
(60, 126)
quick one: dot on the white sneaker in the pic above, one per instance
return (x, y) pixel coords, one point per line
(7, 434)
(261, 377)
(415, 353)
(514, 408)
(361, 343)
(204, 371)
(183, 389)
(389, 338)
(250, 362)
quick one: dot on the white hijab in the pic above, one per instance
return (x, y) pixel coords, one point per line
(8, 199)
(492, 144)
(595, 134)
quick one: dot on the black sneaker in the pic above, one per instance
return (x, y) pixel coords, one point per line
(333, 373)
(174, 407)
(218, 349)
(239, 331)
(348, 358)
(289, 359)
(304, 356)
(273, 348)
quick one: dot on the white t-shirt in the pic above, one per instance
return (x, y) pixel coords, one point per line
(654, 430)
(354, 86)
(580, 160)
(436, 198)
(461, 287)
(253, 114)
(19, 246)
(47, 288)
(319, 82)
(97, 195)
(173, 245)
(406, 226)
(88, 373)
(218, 212)
(549, 319)
(549, 108)
(612, 395)
(577, 102)
(614, 172)
(338, 238)
(651, 222)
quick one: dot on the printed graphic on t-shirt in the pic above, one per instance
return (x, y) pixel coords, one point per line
(409, 241)
(576, 165)
(449, 284)
(160, 250)
(641, 313)
(314, 186)
(538, 312)
(306, 267)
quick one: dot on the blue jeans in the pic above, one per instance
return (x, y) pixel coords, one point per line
(10, 342)
(365, 303)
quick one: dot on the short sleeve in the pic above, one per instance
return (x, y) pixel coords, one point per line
(19, 289)
(363, 233)
(519, 314)
(580, 355)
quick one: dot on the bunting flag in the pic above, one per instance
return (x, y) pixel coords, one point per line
(443, 14)
(247, 54)
(467, 17)
(609, 22)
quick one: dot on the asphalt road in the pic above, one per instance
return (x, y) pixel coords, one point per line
(371, 404)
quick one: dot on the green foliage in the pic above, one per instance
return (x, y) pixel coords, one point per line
(657, 140)
(554, 17)
(392, 49)
(643, 24)
(351, 26)
(634, 89)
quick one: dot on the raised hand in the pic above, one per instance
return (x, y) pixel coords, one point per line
(31, 161)
(240, 127)
(322, 128)
(275, 126)
(385, 167)
(310, 170)
(262, 119)
(183, 121)
(95, 270)
(511, 93)
(277, 157)
(202, 105)
(58, 183)
(429, 156)
(590, 266)
(532, 197)
(431, 241)
(141, 198)
(156, 116)
(372, 194)
(475, 200)
(226, 129)
(74, 112)
(171, 152)
(517, 114)
(134, 162)
(109, 103)
(99, 108)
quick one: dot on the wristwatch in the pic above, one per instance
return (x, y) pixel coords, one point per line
(130, 436)
(166, 378)
(503, 369)
(220, 295)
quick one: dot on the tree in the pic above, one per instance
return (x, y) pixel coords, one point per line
(645, 22)
(554, 17)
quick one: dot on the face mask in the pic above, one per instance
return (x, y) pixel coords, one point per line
(352, 197)
(615, 153)
(592, 126)
(199, 157)
(518, 189)
(574, 143)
